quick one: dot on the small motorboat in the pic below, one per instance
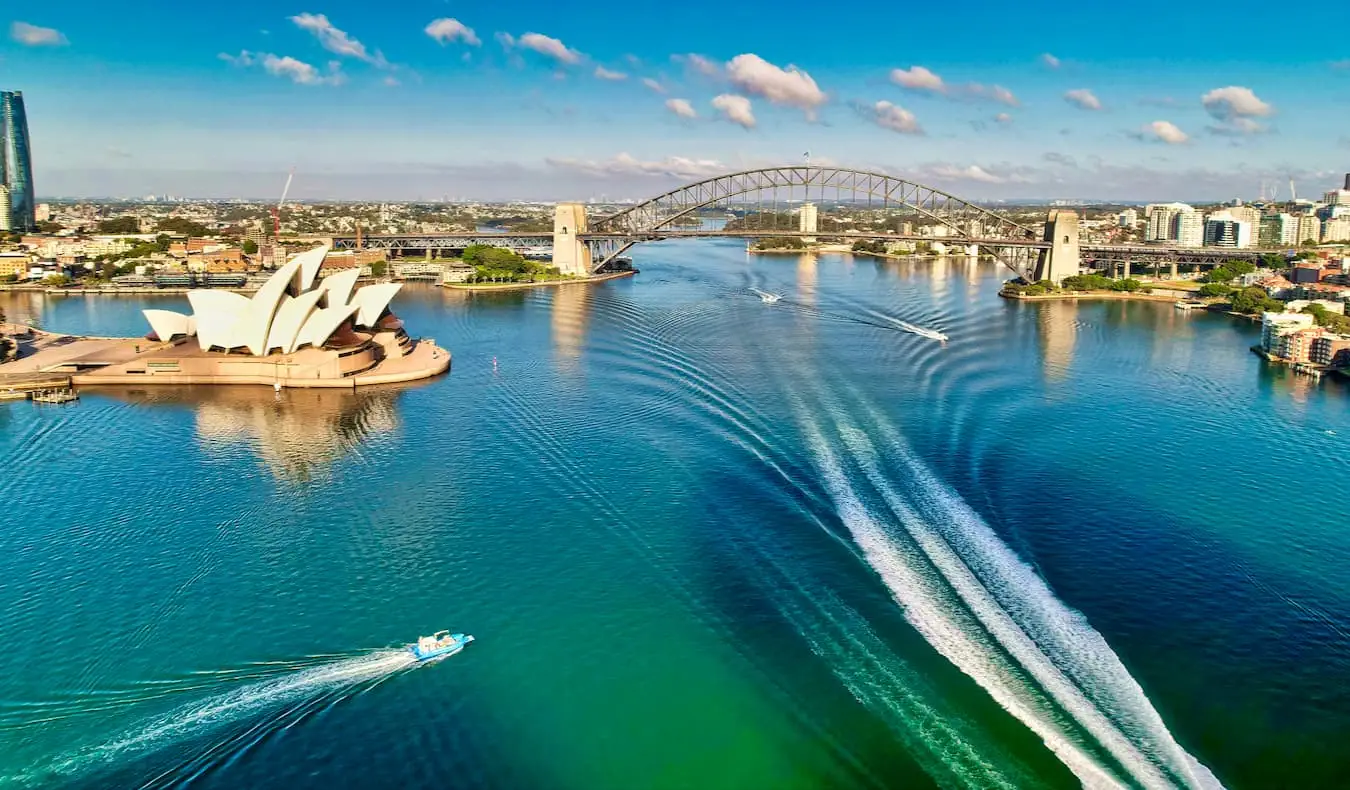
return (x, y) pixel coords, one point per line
(765, 296)
(439, 644)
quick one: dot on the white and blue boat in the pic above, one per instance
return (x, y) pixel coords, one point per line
(438, 645)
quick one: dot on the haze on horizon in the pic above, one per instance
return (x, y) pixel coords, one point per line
(536, 101)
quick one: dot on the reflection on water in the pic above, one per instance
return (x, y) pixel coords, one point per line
(807, 273)
(1058, 325)
(571, 311)
(297, 433)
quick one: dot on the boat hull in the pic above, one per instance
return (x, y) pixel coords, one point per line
(458, 642)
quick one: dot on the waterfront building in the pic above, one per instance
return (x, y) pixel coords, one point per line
(1296, 346)
(1128, 218)
(418, 270)
(1222, 229)
(16, 162)
(1331, 349)
(14, 264)
(1276, 326)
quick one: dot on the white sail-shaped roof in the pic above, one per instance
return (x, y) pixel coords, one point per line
(372, 300)
(290, 317)
(323, 323)
(338, 287)
(217, 312)
(291, 309)
(167, 324)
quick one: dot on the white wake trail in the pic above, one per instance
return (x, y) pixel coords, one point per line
(998, 595)
(199, 718)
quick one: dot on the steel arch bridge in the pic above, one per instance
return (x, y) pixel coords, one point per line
(767, 189)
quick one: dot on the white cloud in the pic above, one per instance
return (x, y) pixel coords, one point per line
(791, 86)
(893, 117)
(653, 85)
(505, 39)
(705, 66)
(1235, 108)
(1162, 131)
(1083, 99)
(627, 165)
(968, 173)
(996, 93)
(735, 109)
(447, 31)
(335, 40)
(682, 108)
(1003, 118)
(391, 81)
(602, 73)
(1050, 60)
(547, 46)
(918, 78)
(287, 67)
(34, 36)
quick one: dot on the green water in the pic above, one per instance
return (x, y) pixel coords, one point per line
(703, 541)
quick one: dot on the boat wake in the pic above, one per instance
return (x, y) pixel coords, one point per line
(258, 709)
(986, 610)
(766, 296)
(932, 334)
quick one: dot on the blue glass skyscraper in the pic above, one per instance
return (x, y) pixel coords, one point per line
(16, 163)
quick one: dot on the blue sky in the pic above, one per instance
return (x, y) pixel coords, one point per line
(562, 100)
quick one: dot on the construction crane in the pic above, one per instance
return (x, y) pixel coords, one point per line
(276, 212)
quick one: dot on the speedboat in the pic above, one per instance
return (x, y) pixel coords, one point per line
(765, 296)
(441, 643)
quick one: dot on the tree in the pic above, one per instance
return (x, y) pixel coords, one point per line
(50, 227)
(183, 226)
(120, 225)
(250, 247)
(1220, 274)
(378, 268)
(1273, 260)
(1252, 300)
(877, 247)
(1239, 268)
(1128, 285)
(1214, 289)
(1324, 317)
(56, 280)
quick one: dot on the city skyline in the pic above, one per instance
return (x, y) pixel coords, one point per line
(535, 102)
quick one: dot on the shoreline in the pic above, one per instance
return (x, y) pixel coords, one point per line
(494, 287)
(1142, 297)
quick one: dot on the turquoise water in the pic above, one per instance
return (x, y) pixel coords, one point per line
(702, 540)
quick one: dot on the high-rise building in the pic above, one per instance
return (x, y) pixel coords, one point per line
(16, 162)
(1128, 218)
(1222, 229)
(4, 207)
(1309, 228)
(1336, 229)
(1278, 230)
(1190, 228)
(1162, 220)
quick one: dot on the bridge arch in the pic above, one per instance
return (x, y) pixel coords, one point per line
(647, 219)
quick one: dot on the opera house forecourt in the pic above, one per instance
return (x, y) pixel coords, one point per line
(297, 330)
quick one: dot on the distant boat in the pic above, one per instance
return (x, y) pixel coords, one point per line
(1184, 305)
(932, 334)
(439, 644)
(765, 296)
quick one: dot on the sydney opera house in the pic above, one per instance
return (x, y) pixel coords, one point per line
(297, 330)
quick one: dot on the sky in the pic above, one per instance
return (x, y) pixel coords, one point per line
(547, 100)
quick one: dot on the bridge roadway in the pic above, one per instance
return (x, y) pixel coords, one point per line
(1091, 252)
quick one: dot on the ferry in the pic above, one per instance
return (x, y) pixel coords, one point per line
(441, 643)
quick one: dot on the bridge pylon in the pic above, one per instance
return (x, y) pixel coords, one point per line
(570, 253)
(1061, 259)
